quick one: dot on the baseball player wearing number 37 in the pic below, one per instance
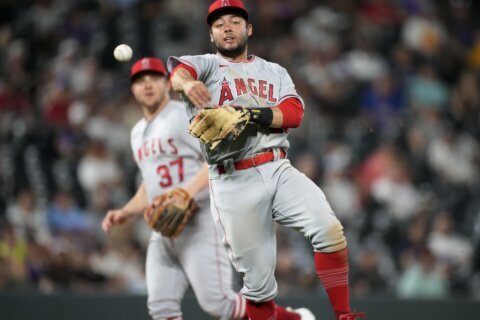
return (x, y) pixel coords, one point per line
(171, 164)
(242, 107)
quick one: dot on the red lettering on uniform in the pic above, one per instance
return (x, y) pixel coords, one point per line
(240, 86)
(145, 149)
(262, 87)
(160, 146)
(252, 87)
(153, 146)
(226, 93)
(179, 163)
(139, 154)
(270, 93)
(171, 142)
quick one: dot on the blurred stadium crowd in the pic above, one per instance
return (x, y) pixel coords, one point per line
(391, 134)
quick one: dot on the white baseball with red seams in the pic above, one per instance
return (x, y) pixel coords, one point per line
(244, 202)
(123, 53)
(167, 157)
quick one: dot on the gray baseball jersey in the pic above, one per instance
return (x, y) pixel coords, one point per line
(246, 202)
(253, 84)
(168, 157)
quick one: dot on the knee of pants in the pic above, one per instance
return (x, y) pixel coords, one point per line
(260, 286)
(328, 237)
(219, 308)
(163, 309)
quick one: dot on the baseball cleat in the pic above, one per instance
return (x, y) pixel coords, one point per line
(304, 313)
(352, 316)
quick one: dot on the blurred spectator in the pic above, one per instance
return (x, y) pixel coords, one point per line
(383, 103)
(123, 265)
(423, 278)
(28, 220)
(474, 54)
(453, 251)
(374, 167)
(367, 279)
(13, 251)
(426, 92)
(13, 99)
(413, 241)
(65, 217)
(416, 145)
(341, 192)
(56, 104)
(106, 128)
(97, 167)
(294, 263)
(465, 105)
(424, 34)
(394, 190)
(454, 155)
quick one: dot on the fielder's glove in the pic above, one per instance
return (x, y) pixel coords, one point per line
(170, 212)
(212, 125)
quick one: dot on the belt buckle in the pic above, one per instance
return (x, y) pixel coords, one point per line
(228, 166)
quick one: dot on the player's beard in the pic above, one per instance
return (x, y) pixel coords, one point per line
(233, 52)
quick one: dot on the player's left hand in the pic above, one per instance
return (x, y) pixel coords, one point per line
(213, 125)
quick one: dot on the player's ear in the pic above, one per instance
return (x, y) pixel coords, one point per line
(249, 29)
(211, 35)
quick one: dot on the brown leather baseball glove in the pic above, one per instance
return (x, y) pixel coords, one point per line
(169, 213)
(212, 125)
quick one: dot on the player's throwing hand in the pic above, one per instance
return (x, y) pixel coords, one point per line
(113, 218)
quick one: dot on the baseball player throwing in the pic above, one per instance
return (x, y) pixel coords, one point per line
(252, 183)
(169, 158)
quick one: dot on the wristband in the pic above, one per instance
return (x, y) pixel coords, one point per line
(261, 115)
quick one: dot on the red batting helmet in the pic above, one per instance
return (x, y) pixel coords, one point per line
(222, 6)
(148, 64)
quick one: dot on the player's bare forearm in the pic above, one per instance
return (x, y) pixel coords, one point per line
(137, 203)
(198, 182)
(277, 120)
(135, 206)
(196, 91)
(179, 78)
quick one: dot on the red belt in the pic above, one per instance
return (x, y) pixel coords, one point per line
(253, 161)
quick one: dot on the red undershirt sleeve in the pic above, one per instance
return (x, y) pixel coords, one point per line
(190, 70)
(292, 111)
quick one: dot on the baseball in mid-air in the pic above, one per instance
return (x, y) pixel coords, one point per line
(123, 53)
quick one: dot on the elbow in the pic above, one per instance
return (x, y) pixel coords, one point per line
(296, 120)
